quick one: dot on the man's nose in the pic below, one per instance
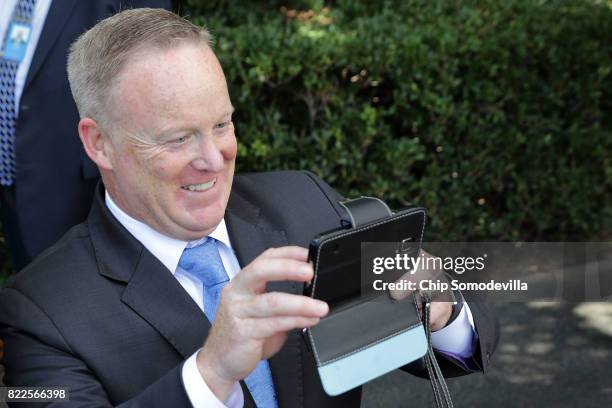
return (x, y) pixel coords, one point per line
(209, 156)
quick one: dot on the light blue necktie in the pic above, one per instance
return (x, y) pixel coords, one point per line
(204, 262)
(8, 71)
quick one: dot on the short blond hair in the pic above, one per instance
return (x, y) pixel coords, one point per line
(98, 56)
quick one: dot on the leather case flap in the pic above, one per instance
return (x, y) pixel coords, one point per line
(361, 324)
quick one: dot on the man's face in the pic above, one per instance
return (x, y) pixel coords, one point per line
(173, 148)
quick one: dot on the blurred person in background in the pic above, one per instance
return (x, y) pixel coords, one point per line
(46, 180)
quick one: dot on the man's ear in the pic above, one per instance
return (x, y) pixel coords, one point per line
(97, 144)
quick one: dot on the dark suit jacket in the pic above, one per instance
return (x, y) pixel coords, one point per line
(55, 180)
(100, 314)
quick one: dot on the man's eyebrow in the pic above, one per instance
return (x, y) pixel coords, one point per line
(227, 113)
(168, 132)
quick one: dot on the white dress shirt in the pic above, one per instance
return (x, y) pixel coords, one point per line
(168, 251)
(456, 338)
(39, 15)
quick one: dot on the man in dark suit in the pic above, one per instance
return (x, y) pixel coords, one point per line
(49, 186)
(120, 309)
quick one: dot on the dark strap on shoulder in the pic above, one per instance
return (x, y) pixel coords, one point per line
(363, 210)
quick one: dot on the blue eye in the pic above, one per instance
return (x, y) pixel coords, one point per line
(222, 125)
(180, 140)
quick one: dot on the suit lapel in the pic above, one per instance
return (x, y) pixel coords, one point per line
(158, 298)
(59, 12)
(151, 291)
(249, 239)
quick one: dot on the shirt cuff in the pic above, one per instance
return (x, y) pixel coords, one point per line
(198, 392)
(457, 338)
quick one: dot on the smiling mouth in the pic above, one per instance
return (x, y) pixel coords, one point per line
(200, 187)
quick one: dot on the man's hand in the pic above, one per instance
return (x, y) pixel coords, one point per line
(441, 309)
(251, 325)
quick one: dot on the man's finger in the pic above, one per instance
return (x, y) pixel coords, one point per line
(399, 294)
(263, 270)
(294, 252)
(440, 313)
(285, 304)
(269, 326)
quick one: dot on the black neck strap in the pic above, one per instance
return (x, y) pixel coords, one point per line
(363, 210)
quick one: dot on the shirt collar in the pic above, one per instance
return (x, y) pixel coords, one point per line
(167, 249)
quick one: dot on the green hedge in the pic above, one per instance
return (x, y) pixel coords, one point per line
(495, 115)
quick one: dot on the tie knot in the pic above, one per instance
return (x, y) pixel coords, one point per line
(204, 262)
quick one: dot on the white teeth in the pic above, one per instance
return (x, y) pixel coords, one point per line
(200, 187)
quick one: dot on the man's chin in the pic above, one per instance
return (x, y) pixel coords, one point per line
(197, 229)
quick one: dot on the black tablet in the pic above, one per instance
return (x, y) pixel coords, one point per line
(337, 255)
